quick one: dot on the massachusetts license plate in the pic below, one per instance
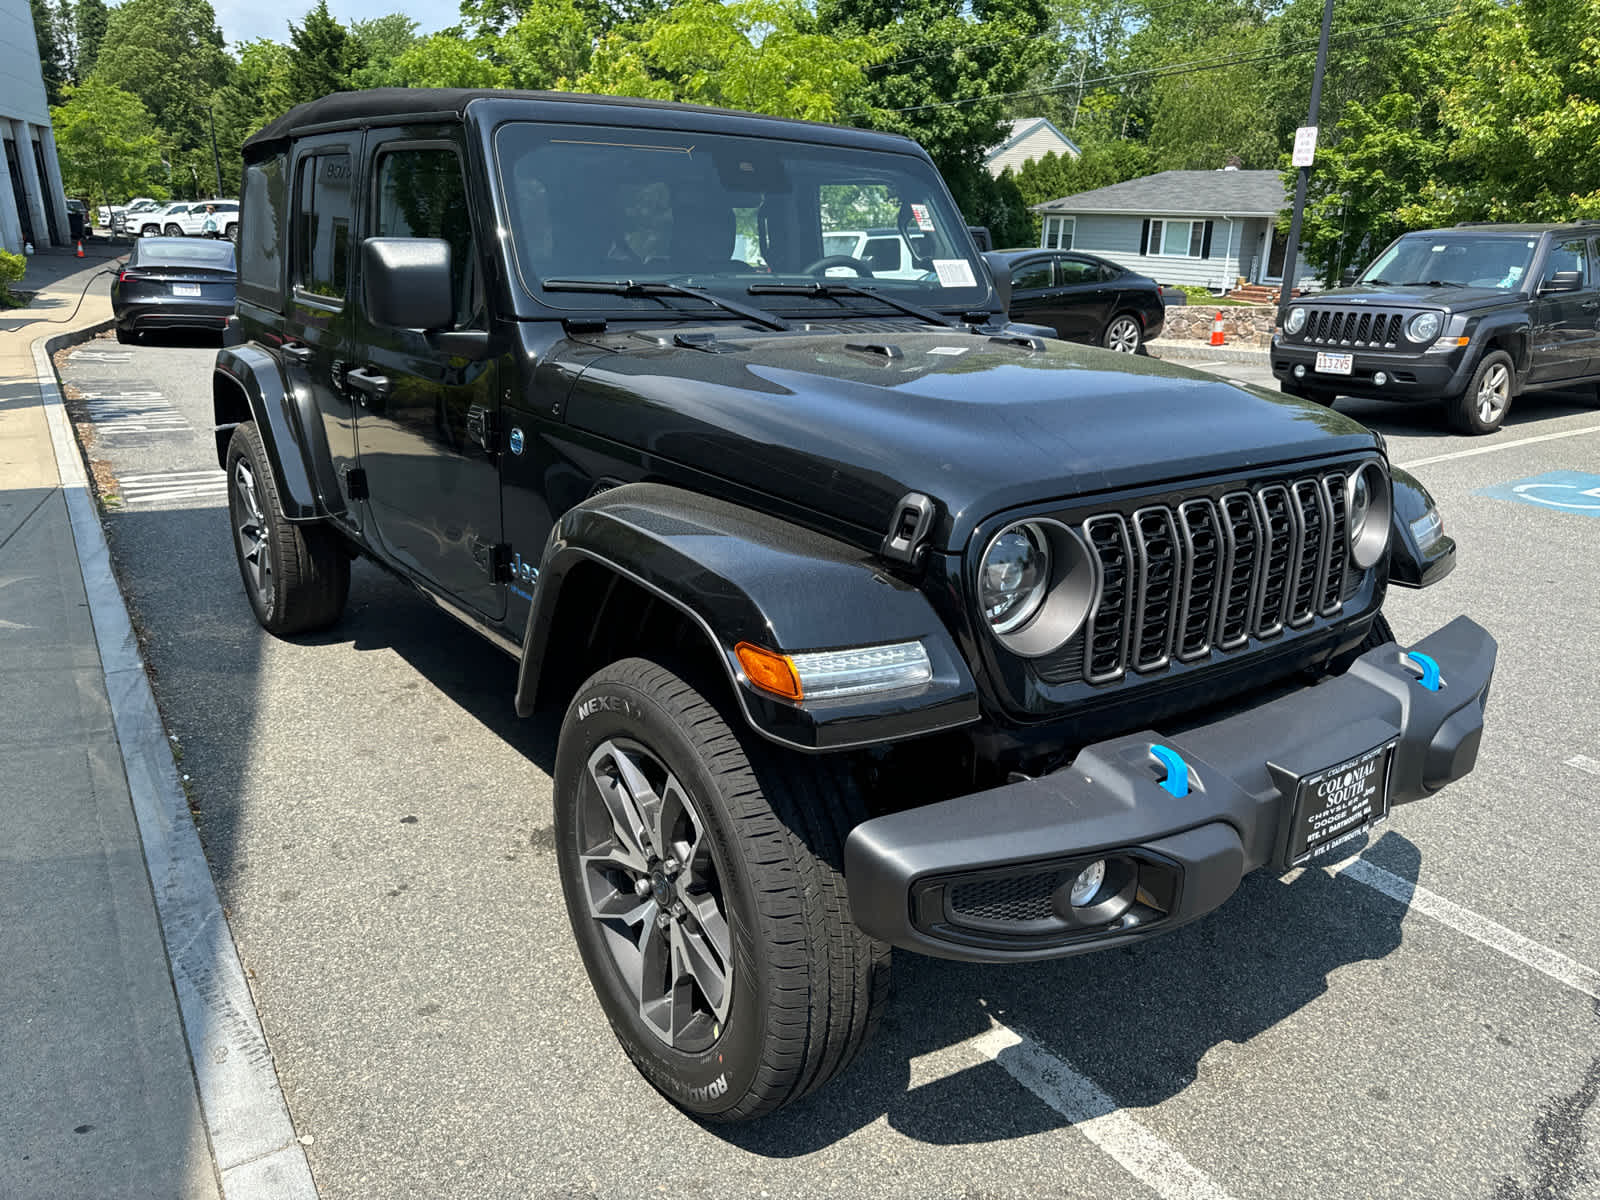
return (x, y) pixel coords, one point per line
(1339, 803)
(1335, 364)
(193, 289)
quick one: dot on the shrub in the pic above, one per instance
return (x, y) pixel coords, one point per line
(11, 269)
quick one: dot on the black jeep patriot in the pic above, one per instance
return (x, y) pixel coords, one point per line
(1471, 316)
(876, 621)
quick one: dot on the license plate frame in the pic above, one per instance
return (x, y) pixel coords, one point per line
(1339, 803)
(1332, 362)
(186, 289)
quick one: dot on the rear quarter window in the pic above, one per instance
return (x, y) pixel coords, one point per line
(262, 225)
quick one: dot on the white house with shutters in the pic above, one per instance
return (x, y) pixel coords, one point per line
(1202, 228)
(1028, 137)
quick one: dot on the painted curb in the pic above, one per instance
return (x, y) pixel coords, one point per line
(252, 1138)
(1200, 352)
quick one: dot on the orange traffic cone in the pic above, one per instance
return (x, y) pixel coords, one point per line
(80, 247)
(1217, 338)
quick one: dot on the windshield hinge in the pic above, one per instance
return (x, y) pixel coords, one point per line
(483, 427)
(913, 517)
(577, 325)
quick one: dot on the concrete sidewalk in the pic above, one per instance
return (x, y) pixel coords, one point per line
(105, 984)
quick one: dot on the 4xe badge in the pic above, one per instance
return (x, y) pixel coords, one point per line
(515, 440)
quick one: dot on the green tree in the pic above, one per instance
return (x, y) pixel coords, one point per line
(52, 59)
(551, 44)
(90, 20)
(446, 61)
(169, 53)
(105, 143)
(325, 57)
(762, 55)
(380, 42)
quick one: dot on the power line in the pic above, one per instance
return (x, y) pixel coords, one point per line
(1191, 67)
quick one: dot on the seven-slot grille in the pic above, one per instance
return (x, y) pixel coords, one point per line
(1352, 327)
(1181, 580)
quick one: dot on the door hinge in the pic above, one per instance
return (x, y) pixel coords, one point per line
(355, 483)
(483, 427)
(494, 559)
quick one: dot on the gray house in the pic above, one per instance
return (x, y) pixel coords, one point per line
(1203, 228)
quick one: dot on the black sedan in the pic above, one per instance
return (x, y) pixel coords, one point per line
(174, 283)
(1084, 298)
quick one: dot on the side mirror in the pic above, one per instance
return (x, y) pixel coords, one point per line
(981, 235)
(1562, 281)
(406, 282)
(1000, 272)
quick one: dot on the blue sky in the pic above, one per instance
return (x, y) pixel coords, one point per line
(242, 20)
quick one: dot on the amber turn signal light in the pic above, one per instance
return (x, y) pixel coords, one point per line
(769, 671)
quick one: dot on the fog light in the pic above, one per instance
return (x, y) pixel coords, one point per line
(1380, 378)
(1087, 885)
(1300, 371)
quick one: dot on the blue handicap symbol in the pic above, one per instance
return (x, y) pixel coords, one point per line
(1558, 491)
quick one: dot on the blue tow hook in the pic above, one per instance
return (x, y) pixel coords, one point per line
(1429, 669)
(1177, 780)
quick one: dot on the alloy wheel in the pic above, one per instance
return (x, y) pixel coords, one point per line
(250, 525)
(1494, 393)
(652, 885)
(1123, 336)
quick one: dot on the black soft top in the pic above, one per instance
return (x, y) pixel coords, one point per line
(387, 106)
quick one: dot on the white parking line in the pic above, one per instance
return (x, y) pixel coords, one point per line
(1476, 450)
(1584, 763)
(1524, 950)
(1142, 1154)
(173, 485)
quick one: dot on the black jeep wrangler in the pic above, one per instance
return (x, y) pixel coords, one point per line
(1471, 316)
(876, 621)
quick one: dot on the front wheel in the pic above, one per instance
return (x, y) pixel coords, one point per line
(703, 876)
(1124, 334)
(1483, 406)
(296, 575)
(150, 231)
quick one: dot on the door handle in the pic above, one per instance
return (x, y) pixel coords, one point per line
(298, 351)
(367, 382)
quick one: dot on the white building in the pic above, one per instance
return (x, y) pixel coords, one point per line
(33, 207)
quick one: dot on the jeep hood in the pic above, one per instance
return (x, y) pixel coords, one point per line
(1456, 299)
(844, 425)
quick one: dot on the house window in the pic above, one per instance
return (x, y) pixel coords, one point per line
(1058, 232)
(1177, 239)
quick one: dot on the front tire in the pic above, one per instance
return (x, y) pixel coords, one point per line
(150, 231)
(296, 576)
(1123, 334)
(703, 875)
(1483, 406)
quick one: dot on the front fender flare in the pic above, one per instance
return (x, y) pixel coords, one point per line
(1418, 554)
(740, 575)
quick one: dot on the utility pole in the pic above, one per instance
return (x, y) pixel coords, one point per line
(1291, 254)
(216, 159)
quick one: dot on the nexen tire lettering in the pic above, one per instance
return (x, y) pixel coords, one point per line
(604, 704)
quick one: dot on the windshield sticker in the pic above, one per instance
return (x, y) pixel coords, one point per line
(954, 272)
(952, 351)
(924, 220)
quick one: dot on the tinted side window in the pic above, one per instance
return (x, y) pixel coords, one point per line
(1071, 271)
(1109, 272)
(262, 229)
(1571, 255)
(322, 225)
(421, 193)
(1031, 276)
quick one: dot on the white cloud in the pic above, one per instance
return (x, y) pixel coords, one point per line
(243, 20)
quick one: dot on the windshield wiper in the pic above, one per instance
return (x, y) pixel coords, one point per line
(1432, 283)
(1377, 282)
(630, 287)
(833, 291)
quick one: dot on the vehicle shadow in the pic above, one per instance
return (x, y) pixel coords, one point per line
(1428, 420)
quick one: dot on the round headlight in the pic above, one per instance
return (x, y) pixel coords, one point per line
(1295, 321)
(1367, 511)
(1423, 327)
(1036, 584)
(1012, 580)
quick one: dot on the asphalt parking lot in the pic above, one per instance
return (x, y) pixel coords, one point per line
(1423, 1022)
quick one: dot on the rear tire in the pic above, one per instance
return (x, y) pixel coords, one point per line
(1482, 408)
(174, 230)
(126, 337)
(1123, 333)
(231, 232)
(296, 576)
(709, 904)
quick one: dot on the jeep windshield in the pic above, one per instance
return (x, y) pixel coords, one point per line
(724, 214)
(1453, 260)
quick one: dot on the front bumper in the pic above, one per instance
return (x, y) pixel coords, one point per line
(973, 878)
(1409, 376)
